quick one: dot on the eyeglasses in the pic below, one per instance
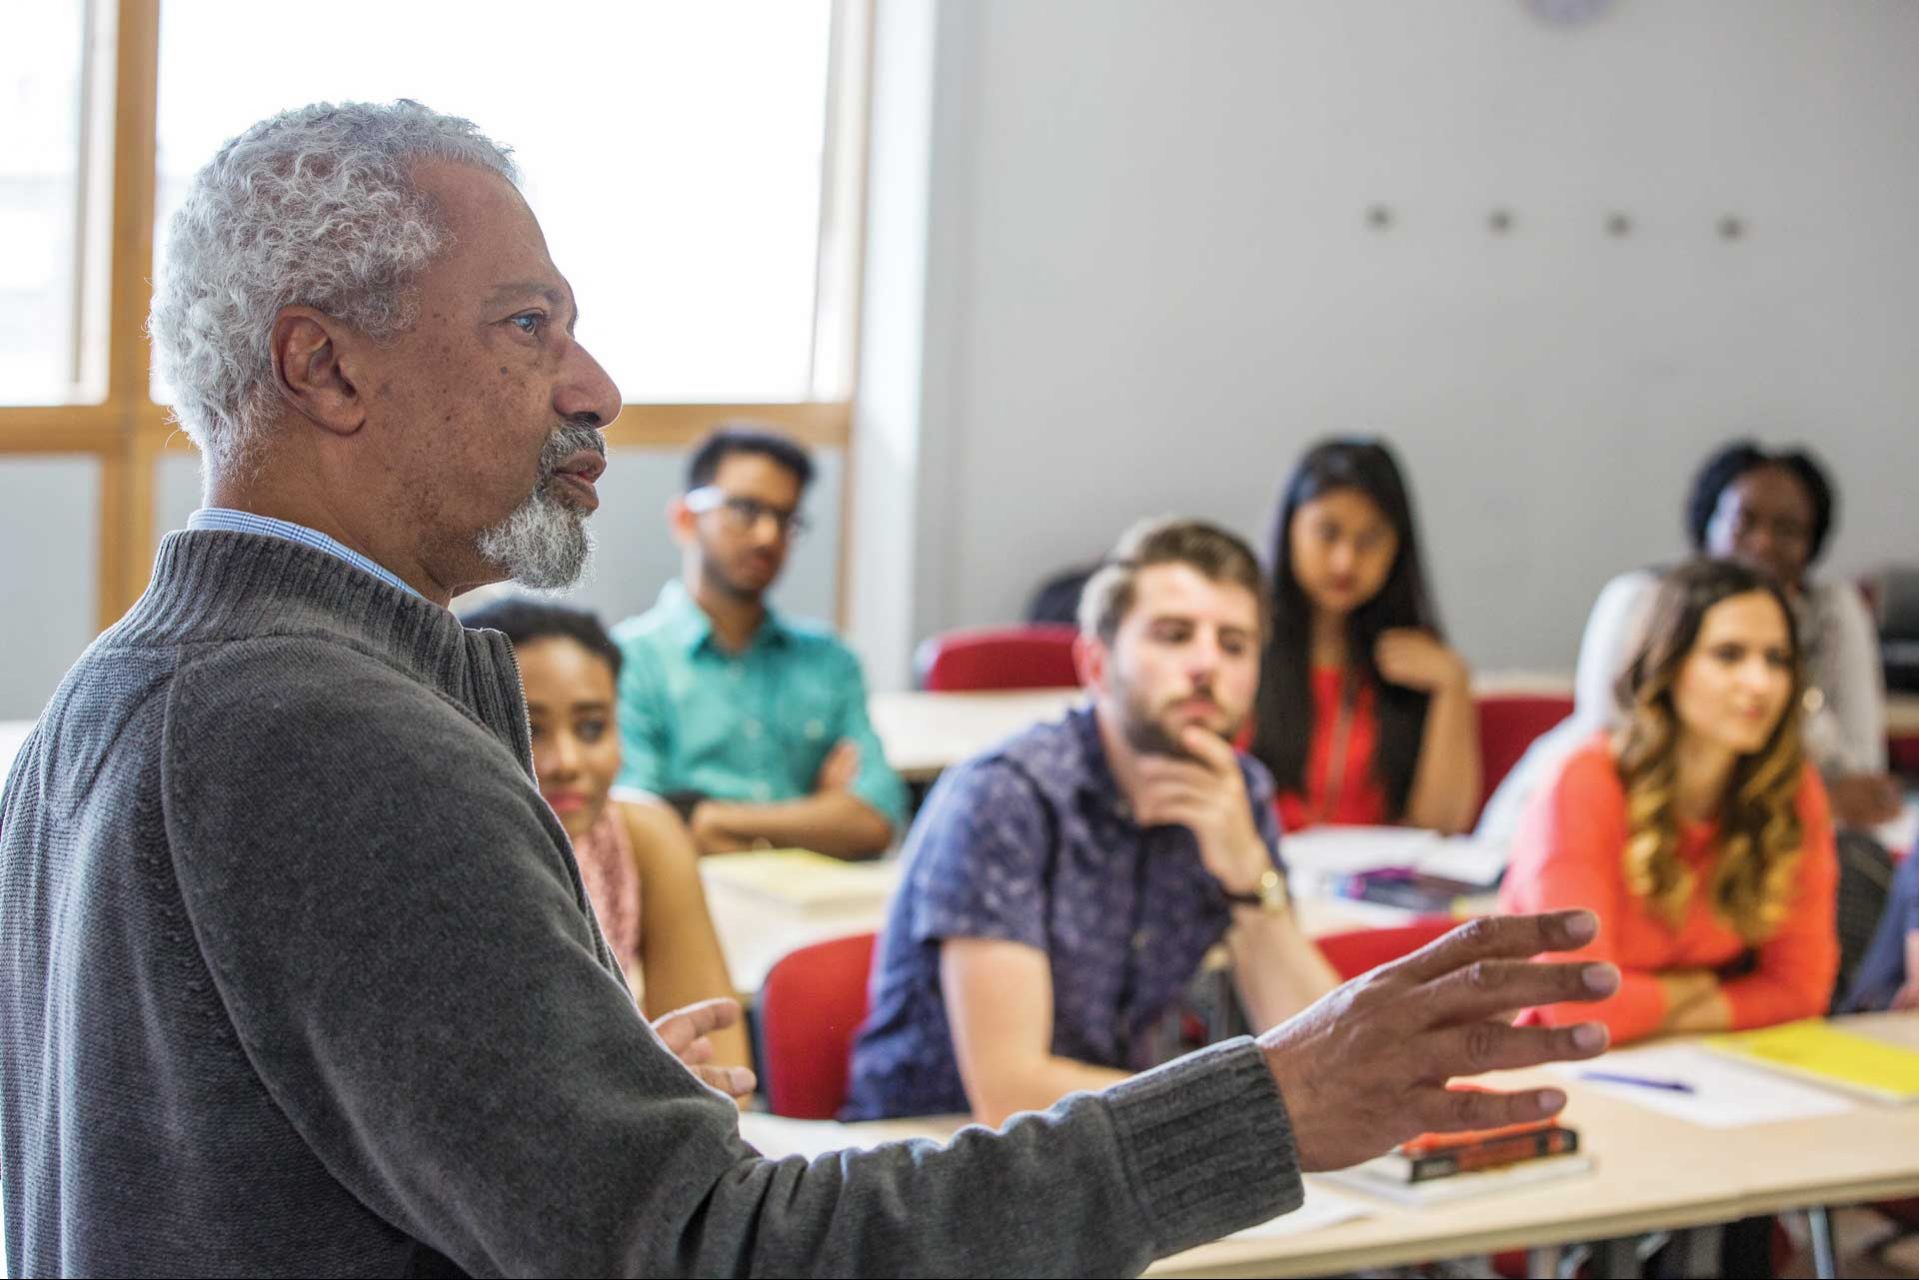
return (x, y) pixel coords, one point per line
(743, 513)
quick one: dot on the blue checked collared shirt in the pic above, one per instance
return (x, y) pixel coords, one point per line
(227, 520)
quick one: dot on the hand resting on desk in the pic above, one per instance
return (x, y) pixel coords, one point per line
(1366, 1067)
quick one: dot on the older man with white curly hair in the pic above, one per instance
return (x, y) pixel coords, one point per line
(296, 971)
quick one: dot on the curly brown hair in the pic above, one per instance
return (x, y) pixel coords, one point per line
(1760, 834)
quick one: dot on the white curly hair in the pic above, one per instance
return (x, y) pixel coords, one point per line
(312, 207)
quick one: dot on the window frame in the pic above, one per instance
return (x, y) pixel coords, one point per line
(127, 433)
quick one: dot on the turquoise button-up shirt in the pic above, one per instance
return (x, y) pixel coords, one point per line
(754, 726)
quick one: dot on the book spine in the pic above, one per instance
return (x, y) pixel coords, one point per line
(1488, 1155)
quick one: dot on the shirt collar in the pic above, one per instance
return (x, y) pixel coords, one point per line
(691, 627)
(1095, 782)
(228, 520)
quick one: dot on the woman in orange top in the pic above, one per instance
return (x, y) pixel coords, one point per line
(1698, 833)
(1364, 716)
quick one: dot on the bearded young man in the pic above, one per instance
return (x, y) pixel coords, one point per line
(297, 975)
(1062, 889)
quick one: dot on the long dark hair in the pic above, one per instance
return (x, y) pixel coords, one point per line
(1285, 727)
(1750, 882)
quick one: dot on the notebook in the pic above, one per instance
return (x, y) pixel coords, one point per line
(1818, 1051)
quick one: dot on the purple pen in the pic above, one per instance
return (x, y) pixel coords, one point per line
(1644, 1082)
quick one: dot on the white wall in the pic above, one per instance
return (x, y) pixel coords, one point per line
(49, 575)
(1151, 280)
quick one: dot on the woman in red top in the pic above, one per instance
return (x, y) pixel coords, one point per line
(1365, 716)
(1698, 832)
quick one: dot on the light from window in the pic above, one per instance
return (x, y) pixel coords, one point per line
(673, 152)
(55, 198)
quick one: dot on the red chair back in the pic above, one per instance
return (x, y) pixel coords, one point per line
(1360, 951)
(1030, 657)
(1508, 724)
(810, 1008)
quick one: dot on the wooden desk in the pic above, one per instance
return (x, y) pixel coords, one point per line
(1652, 1173)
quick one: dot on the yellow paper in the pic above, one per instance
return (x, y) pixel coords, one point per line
(1822, 1052)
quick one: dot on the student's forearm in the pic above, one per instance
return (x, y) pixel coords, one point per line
(1276, 968)
(1695, 1002)
(1445, 791)
(834, 823)
(1034, 1085)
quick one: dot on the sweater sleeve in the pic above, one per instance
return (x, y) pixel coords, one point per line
(1796, 967)
(400, 941)
(1568, 855)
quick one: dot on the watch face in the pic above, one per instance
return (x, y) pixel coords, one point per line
(1567, 13)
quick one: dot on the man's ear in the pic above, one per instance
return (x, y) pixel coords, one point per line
(310, 369)
(1090, 656)
(680, 521)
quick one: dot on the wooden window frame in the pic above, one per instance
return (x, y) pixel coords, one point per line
(127, 433)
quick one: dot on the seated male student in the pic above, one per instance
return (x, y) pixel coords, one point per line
(1062, 889)
(752, 724)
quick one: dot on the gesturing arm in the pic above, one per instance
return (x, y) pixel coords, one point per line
(428, 1007)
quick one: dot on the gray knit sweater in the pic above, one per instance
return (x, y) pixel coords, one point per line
(297, 977)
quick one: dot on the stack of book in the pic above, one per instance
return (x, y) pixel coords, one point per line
(1436, 1167)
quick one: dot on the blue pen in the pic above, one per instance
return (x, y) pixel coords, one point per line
(1644, 1082)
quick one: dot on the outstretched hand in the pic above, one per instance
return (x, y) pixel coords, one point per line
(1366, 1067)
(685, 1032)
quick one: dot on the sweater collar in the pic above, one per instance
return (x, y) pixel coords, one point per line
(216, 585)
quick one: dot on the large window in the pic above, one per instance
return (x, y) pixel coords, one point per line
(673, 152)
(55, 195)
(696, 165)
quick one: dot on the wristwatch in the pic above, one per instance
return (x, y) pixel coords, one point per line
(1270, 897)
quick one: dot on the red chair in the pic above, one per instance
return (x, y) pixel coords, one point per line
(1508, 724)
(1030, 657)
(1360, 951)
(810, 1007)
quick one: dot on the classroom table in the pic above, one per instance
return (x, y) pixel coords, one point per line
(924, 733)
(1651, 1173)
(756, 928)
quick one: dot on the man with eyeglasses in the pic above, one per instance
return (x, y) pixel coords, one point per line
(751, 724)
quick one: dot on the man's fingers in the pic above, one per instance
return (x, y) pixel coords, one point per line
(734, 1082)
(1492, 1046)
(1485, 988)
(1450, 1110)
(1499, 938)
(1213, 752)
(682, 1027)
(701, 1050)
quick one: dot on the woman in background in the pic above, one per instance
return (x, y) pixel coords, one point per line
(1773, 511)
(1697, 831)
(1364, 715)
(637, 861)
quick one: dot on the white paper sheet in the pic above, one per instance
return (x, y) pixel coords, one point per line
(1902, 833)
(1726, 1094)
(1323, 1207)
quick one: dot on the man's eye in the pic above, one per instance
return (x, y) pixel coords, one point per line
(529, 322)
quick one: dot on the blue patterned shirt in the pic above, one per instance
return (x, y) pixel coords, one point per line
(754, 726)
(227, 520)
(1033, 843)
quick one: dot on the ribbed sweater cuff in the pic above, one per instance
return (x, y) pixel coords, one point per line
(1208, 1145)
